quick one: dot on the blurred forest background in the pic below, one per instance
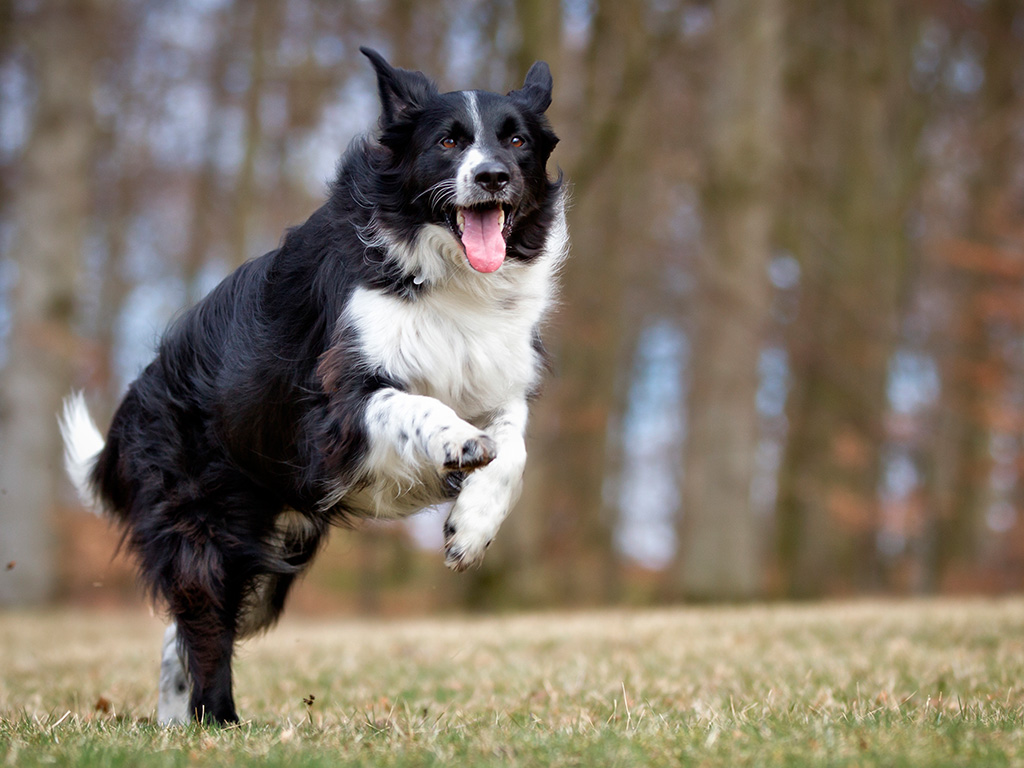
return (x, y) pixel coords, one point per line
(789, 361)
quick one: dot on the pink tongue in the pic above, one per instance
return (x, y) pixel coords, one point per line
(485, 247)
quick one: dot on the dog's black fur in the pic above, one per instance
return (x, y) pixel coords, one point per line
(254, 404)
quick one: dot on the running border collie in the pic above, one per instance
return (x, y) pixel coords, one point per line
(378, 362)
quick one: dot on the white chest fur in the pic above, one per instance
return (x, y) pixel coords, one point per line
(472, 350)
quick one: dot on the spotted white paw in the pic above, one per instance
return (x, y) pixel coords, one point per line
(471, 527)
(462, 449)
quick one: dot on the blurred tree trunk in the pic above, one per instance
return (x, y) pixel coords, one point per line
(539, 24)
(119, 196)
(401, 28)
(973, 369)
(114, 289)
(855, 173)
(719, 544)
(263, 39)
(204, 195)
(574, 421)
(50, 214)
(585, 398)
(6, 37)
(6, 25)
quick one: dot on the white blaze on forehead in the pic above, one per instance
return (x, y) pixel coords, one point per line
(474, 112)
(475, 155)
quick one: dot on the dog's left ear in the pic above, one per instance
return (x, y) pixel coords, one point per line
(400, 89)
(536, 91)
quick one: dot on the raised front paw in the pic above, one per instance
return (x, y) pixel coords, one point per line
(467, 452)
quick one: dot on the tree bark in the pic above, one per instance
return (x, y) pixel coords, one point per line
(959, 464)
(50, 214)
(263, 39)
(855, 176)
(719, 553)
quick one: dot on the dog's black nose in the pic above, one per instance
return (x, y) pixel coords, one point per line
(492, 176)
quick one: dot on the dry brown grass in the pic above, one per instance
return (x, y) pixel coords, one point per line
(866, 683)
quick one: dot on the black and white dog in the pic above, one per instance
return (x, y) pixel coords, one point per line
(378, 362)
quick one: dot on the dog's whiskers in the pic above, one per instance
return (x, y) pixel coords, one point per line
(440, 194)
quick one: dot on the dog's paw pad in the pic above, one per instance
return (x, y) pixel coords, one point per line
(454, 558)
(461, 553)
(474, 453)
(458, 559)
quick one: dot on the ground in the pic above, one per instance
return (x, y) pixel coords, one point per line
(848, 684)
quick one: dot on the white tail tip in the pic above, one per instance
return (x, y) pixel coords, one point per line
(82, 445)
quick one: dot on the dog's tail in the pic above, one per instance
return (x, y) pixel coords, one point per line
(82, 445)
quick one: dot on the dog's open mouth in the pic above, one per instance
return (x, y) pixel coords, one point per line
(482, 230)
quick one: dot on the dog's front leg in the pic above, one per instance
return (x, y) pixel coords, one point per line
(414, 431)
(172, 706)
(488, 494)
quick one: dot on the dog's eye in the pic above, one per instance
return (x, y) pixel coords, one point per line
(517, 141)
(448, 142)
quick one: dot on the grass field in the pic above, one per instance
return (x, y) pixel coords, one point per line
(860, 684)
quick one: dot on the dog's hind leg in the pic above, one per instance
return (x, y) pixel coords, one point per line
(172, 705)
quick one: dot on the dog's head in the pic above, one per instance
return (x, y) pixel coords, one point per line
(471, 162)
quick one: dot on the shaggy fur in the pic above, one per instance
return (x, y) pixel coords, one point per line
(370, 366)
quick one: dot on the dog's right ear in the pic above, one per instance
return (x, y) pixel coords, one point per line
(400, 89)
